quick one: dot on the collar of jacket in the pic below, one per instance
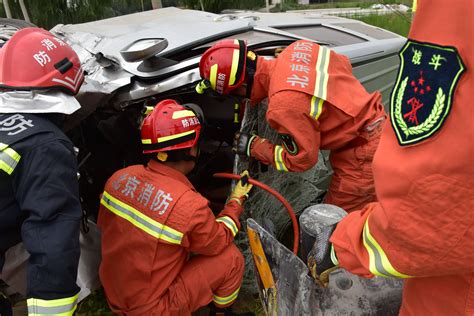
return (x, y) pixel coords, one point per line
(162, 169)
(33, 101)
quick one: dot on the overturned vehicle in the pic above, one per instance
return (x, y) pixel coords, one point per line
(134, 61)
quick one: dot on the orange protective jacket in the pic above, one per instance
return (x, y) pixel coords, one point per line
(422, 228)
(151, 219)
(315, 102)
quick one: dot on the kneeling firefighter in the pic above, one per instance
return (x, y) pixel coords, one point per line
(39, 194)
(152, 220)
(314, 102)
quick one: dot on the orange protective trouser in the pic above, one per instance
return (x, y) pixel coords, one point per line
(203, 280)
(352, 184)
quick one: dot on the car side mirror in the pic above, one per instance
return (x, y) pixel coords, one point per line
(143, 49)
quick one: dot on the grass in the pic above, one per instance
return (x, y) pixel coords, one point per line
(350, 4)
(292, 5)
(398, 23)
(94, 304)
(391, 22)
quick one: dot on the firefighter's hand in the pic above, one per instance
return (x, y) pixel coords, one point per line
(322, 261)
(242, 143)
(242, 188)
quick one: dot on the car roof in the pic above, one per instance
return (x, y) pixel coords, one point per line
(188, 31)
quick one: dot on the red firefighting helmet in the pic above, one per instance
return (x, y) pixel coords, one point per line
(223, 66)
(35, 59)
(171, 126)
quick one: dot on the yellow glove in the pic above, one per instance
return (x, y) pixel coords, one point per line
(242, 188)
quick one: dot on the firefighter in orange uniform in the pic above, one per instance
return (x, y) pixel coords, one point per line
(422, 228)
(152, 219)
(314, 102)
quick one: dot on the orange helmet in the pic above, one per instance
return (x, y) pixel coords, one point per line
(35, 59)
(171, 126)
(223, 65)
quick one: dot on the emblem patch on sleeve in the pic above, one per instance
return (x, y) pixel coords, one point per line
(422, 97)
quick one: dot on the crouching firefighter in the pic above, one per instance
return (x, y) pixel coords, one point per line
(314, 102)
(39, 195)
(152, 220)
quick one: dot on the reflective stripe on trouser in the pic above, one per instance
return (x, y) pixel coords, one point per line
(8, 159)
(141, 221)
(379, 264)
(279, 164)
(229, 223)
(61, 307)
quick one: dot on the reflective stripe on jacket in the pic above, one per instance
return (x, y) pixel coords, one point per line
(8, 158)
(143, 222)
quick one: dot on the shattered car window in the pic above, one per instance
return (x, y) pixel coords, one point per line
(301, 189)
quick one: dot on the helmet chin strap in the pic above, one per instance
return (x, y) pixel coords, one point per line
(195, 171)
(176, 156)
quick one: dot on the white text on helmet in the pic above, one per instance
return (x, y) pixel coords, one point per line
(220, 83)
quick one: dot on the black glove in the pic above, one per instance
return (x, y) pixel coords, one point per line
(322, 259)
(317, 223)
(242, 143)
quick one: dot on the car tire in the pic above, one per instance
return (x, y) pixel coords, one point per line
(8, 27)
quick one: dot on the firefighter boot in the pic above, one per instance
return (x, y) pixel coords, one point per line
(317, 225)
